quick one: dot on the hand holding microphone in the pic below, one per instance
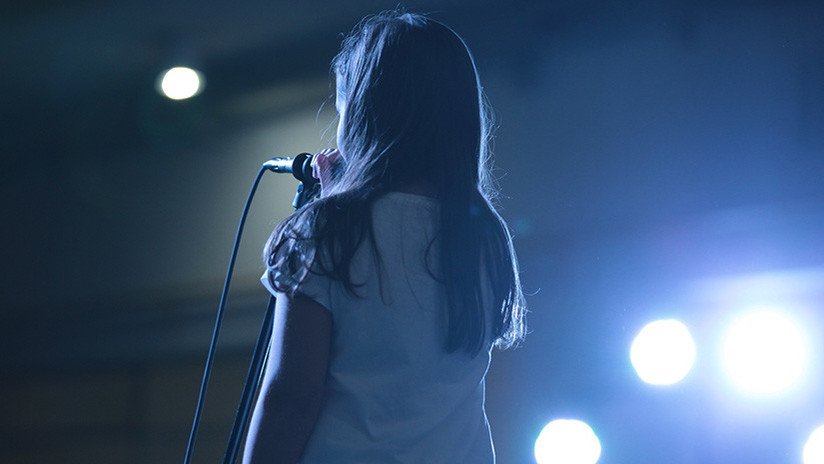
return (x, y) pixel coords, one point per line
(325, 166)
(309, 169)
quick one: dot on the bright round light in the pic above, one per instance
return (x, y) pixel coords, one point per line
(180, 83)
(814, 448)
(765, 352)
(567, 441)
(663, 352)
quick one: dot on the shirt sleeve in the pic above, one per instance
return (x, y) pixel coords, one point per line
(314, 286)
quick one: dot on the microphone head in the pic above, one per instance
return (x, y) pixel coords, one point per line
(302, 169)
(300, 166)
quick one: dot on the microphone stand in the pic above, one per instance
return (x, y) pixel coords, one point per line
(306, 191)
(308, 188)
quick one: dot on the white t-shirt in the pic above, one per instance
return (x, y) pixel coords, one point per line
(393, 394)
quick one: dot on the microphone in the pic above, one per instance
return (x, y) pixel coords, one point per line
(300, 166)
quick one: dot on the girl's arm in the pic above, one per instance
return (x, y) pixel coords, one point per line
(291, 392)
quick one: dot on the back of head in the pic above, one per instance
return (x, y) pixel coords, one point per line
(411, 106)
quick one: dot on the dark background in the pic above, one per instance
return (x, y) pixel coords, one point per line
(658, 159)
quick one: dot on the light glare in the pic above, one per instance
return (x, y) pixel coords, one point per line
(180, 83)
(814, 448)
(765, 352)
(663, 352)
(567, 441)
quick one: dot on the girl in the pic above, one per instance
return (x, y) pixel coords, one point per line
(394, 286)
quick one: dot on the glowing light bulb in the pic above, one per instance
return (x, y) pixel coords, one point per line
(765, 352)
(180, 83)
(814, 448)
(567, 441)
(663, 352)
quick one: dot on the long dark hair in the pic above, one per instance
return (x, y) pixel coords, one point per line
(413, 111)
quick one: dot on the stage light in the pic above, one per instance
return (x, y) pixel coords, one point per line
(180, 83)
(814, 448)
(663, 352)
(567, 441)
(765, 352)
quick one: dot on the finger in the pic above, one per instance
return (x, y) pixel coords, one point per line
(319, 154)
(323, 162)
(315, 167)
(320, 158)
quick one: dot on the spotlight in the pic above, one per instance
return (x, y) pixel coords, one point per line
(765, 352)
(180, 83)
(663, 352)
(567, 441)
(814, 448)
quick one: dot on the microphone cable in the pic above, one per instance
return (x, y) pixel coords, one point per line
(302, 171)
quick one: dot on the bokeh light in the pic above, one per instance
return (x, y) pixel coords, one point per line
(180, 83)
(567, 441)
(765, 352)
(663, 352)
(814, 448)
